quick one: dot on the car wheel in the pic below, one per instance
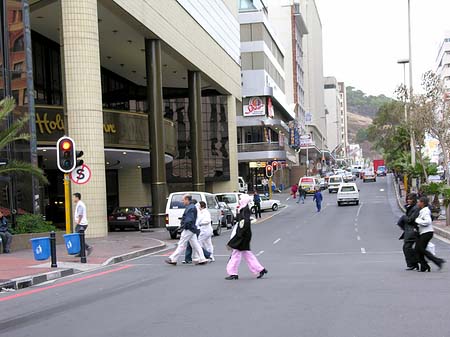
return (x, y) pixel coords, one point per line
(253, 210)
(230, 223)
(274, 207)
(357, 203)
(218, 231)
(339, 203)
(329, 191)
(173, 235)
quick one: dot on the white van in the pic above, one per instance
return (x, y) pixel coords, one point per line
(242, 185)
(175, 210)
(334, 182)
(231, 199)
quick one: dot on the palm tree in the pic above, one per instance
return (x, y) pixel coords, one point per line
(12, 134)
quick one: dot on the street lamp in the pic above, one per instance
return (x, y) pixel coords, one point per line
(404, 62)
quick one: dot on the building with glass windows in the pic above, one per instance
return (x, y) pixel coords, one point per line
(147, 89)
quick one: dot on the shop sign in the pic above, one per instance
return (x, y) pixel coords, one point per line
(306, 140)
(294, 135)
(257, 164)
(270, 111)
(308, 118)
(255, 107)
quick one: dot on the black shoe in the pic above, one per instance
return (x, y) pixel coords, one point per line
(416, 267)
(441, 263)
(262, 273)
(424, 269)
(232, 277)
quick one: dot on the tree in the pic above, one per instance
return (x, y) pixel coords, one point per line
(431, 111)
(12, 134)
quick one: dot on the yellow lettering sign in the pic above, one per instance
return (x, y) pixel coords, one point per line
(45, 125)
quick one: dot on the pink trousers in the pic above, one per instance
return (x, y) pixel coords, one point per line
(235, 260)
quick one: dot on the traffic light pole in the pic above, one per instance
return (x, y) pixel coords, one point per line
(67, 203)
(270, 188)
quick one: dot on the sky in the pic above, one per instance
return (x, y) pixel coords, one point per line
(364, 39)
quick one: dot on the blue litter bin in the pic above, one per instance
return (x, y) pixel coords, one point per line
(41, 248)
(72, 243)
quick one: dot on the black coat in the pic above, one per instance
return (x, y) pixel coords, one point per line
(408, 223)
(241, 240)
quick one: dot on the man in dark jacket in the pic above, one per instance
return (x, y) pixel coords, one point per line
(5, 235)
(409, 236)
(189, 234)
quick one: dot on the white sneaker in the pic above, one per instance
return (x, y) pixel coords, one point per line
(212, 259)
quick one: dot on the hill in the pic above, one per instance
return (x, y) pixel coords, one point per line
(362, 104)
(357, 133)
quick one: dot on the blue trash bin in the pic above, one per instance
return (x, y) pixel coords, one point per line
(72, 243)
(41, 248)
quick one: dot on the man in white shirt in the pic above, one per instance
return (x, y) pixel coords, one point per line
(80, 218)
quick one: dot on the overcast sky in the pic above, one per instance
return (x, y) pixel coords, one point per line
(363, 39)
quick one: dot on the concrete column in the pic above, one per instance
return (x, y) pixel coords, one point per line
(156, 131)
(80, 57)
(196, 127)
(132, 191)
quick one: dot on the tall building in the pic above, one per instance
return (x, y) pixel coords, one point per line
(147, 89)
(343, 121)
(315, 151)
(443, 60)
(290, 25)
(333, 104)
(263, 122)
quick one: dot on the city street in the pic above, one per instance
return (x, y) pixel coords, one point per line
(339, 273)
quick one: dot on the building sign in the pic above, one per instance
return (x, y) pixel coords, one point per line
(294, 135)
(49, 123)
(270, 111)
(257, 164)
(308, 118)
(306, 140)
(255, 107)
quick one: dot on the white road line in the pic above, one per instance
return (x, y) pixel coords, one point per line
(356, 230)
(381, 189)
(359, 210)
(358, 238)
(260, 253)
(363, 250)
(276, 241)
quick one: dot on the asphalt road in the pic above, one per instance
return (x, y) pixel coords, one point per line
(339, 273)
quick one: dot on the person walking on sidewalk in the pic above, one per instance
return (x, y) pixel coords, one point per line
(206, 230)
(5, 235)
(407, 222)
(80, 218)
(294, 190)
(425, 235)
(188, 252)
(257, 202)
(189, 234)
(301, 195)
(240, 244)
(318, 198)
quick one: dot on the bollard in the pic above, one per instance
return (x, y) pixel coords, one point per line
(82, 247)
(53, 249)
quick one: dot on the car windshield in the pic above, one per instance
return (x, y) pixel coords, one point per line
(177, 200)
(227, 198)
(335, 179)
(125, 210)
(348, 189)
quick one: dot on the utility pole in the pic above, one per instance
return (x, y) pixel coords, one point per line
(412, 141)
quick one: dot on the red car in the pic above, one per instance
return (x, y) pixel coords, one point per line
(125, 217)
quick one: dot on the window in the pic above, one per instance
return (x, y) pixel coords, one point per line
(246, 4)
(227, 198)
(177, 200)
(18, 44)
(17, 70)
(348, 189)
(211, 201)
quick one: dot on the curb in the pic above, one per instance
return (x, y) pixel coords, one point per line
(135, 254)
(445, 234)
(28, 281)
(397, 197)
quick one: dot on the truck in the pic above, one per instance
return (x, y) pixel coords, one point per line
(378, 167)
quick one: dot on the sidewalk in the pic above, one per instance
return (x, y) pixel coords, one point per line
(19, 269)
(440, 227)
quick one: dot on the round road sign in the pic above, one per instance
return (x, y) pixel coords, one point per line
(81, 175)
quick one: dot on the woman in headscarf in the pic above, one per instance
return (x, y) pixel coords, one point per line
(240, 244)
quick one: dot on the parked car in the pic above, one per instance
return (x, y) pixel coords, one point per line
(334, 182)
(175, 209)
(266, 204)
(231, 199)
(348, 194)
(226, 215)
(348, 177)
(369, 175)
(309, 184)
(125, 217)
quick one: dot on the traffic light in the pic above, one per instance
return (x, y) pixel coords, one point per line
(269, 171)
(66, 154)
(78, 155)
(275, 165)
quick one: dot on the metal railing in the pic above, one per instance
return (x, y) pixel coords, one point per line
(257, 147)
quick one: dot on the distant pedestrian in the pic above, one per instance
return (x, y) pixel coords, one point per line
(407, 222)
(189, 234)
(5, 234)
(265, 185)
(318, 198)
(274, 187)
(425, 235)
(294, 190)
(240, 244)
(257, 202)
(301, 195)
(81, 221)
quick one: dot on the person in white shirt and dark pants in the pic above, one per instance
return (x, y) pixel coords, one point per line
(425, 225)
(80, 218)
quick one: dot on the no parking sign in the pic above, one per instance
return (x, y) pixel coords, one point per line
(81, 175)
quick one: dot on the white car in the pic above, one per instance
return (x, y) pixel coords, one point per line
(334, 182)
(348, 177)
(231, 199)
(348, 194)
(266, 204)
(175, 210)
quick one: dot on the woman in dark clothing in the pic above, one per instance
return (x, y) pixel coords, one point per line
(408, 223)
(240, 244)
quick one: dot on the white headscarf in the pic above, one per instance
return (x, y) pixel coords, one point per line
(244, 200)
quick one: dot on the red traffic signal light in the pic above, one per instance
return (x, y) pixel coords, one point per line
(275, 166)
(66, 154)
(269, 171)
